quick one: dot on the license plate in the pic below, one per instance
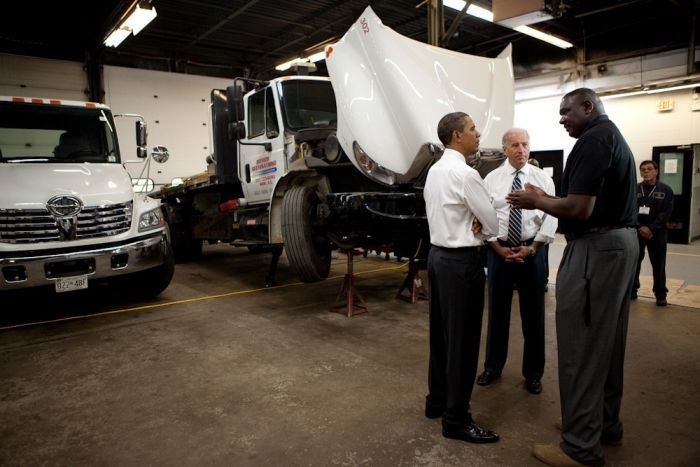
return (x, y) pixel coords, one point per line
(66, 284)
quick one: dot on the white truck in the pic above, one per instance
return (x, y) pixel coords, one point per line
(69, 216)
(313, 163)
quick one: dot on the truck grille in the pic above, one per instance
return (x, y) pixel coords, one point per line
(37, 225)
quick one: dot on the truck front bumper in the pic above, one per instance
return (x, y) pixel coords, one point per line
(33, 269)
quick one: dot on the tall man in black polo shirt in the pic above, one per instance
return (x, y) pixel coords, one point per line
(655, 201)
(597, 213)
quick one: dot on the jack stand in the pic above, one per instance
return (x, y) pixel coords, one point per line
(270, 280)
(413, 284)
(350, 292)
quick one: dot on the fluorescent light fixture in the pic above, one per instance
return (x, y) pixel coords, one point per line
(287, 65)
(318, 56)
(139, 19)
(473, 10)
(562, 44)
(313, 58)
(116, 38)
(651, 91)
(133, 24)
(488, 16)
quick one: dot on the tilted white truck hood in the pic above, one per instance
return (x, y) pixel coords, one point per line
(391, 92)
(31, 185)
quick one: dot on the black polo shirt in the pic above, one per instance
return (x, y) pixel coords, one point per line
(601, 164)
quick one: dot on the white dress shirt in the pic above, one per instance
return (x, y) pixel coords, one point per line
(536, 224)
(454, 195)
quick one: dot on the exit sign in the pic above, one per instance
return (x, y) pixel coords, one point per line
(665, 105)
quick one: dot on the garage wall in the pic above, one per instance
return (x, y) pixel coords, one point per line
(638, 118)
(37, 77)
(176, 109)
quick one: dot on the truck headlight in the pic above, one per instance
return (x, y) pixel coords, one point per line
(371, 168)
(150, 220)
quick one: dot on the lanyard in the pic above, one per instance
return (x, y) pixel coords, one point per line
(646, 197)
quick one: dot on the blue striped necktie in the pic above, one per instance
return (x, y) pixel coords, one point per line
(515, 220)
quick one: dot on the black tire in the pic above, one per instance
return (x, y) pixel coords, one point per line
(152, 282)
(308, 250)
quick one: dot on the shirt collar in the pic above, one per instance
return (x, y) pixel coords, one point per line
(511, 170)
(453, 154)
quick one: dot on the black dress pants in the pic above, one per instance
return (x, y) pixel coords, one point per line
(529, 278)
(657, 257)
(456, 308)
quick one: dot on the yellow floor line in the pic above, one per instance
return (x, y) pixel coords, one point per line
(187, 300)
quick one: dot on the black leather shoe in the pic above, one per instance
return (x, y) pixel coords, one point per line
(611, 440)
(533, 386)
(471, 433)
(661, 302)
(432, 411)
(486, 378)
(634, 295)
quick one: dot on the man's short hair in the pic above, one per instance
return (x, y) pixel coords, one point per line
(449, 123)
(504, 139)
(656, 166)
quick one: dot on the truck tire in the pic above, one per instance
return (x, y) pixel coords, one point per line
(308, 250)
(152, 282)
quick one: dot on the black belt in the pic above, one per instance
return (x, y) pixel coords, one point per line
(594, 230)
(523, 243)
(458, 249)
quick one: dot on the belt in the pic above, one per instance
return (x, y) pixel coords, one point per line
(593, 230)
(458, 249)
(523, 243)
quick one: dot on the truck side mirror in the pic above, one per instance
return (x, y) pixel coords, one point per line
(234, 101)
(236, 130)
(160, 154)
(141, 150)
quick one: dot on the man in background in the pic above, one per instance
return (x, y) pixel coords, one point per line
(655, 203)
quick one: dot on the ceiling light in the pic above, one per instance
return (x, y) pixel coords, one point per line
(317, 56)
(473, 10)
(486, 15)
(287, 65)
(133, 24)
(648, 90)
(537, 34)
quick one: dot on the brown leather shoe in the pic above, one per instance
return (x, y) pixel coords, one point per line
(552, 454)
(604, 439)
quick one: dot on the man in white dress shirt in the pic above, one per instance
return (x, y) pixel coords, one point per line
(517, 258)
(455, 201)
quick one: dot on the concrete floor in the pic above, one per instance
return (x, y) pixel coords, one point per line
(220, 371)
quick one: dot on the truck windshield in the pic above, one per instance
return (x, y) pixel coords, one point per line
(52, 133)
(307, 104)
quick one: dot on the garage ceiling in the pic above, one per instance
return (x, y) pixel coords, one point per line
(230, 38)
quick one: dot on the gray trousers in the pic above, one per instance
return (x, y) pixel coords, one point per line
(594, 283)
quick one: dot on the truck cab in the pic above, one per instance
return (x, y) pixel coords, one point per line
(69, 215)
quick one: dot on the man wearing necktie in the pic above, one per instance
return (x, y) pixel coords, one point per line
(516, 259)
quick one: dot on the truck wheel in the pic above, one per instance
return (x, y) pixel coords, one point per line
(308, 250)
(153, 281)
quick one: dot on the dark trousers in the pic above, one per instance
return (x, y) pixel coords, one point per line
(657, 257)
(456, 308)
(529, 278)
(594, 284)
